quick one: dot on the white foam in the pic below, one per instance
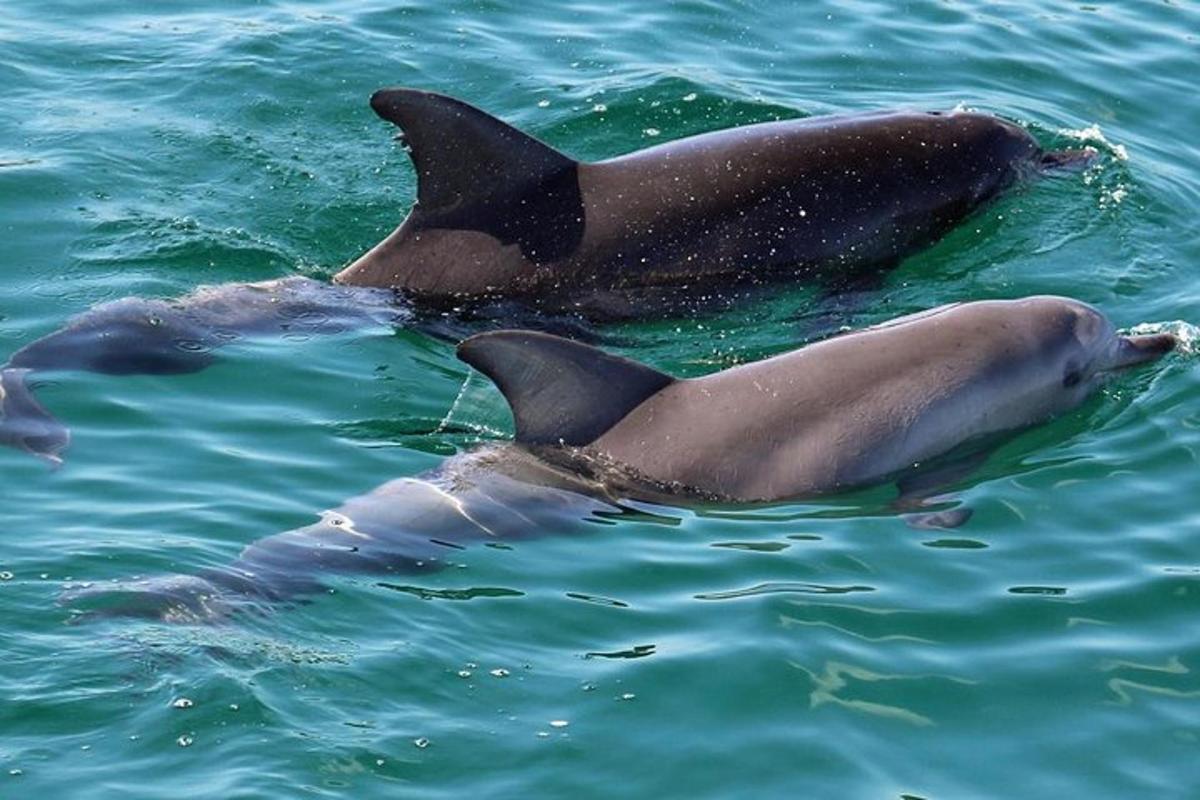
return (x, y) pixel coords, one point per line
(1187, 335)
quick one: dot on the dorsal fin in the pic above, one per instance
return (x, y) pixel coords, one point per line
(475, 172)
(560, 390)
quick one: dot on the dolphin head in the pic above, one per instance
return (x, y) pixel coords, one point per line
(990, 153)
(1082, 348)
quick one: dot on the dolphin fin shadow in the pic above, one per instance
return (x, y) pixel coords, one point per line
(923, 491)
(25, 424)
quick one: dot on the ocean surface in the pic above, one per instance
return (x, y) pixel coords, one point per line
(1048, 648)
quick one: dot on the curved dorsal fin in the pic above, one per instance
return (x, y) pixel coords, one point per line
(475, 172)
(560, 391)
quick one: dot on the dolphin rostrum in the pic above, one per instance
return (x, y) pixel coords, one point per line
(594, 429)
(500, 213)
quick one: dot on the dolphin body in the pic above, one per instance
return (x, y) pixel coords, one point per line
(842, 413)
(594, 430)
(499, 213)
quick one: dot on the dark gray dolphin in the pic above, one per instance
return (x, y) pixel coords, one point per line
(500, 213)
(594, 430)
(504, 226)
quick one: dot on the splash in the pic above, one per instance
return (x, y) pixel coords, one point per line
(1187, 335)
(474, 409)
(1093, 135)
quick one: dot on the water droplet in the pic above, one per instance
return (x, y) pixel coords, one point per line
(6, 576)
(85, 747)
(379, 762)
(628, 696)
(689, 97)
(233, 706)
(559, 723)
(15, 772)
(542, 734)
(599, 108)
(543, 103)
(182, 702)
(422, 742)
(499, 672)
(464, 673)
(652, 131)
(185, 740)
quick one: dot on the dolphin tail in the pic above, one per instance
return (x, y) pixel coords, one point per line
(560, 391)
(1068, 160)
(24, 424)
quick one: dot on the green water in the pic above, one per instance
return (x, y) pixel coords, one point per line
(1049, 648)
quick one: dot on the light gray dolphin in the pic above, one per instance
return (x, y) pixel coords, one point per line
(594, 430)
(500, 213)
(842, 413)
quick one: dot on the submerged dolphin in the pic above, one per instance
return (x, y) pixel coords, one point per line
(500, 213)
(169, 337)
(593, 428)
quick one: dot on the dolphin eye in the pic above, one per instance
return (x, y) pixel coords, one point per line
(1074, 375)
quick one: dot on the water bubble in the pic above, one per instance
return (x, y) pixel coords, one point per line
(6, 576)
(421, 742)
(599, 108)
(628, 696)
(185, 740)
(182, 702)
(651, 131)
(543, 103)
(542, 734)
(559, 723)
(15, 772)
(499, 672)
(689, 97)
(464, 673)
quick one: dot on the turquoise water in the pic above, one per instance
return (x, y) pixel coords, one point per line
(1048, 648)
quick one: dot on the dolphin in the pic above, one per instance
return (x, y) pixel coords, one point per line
(596, 433)
(499, 213)
(842, 413)
(506, 227)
